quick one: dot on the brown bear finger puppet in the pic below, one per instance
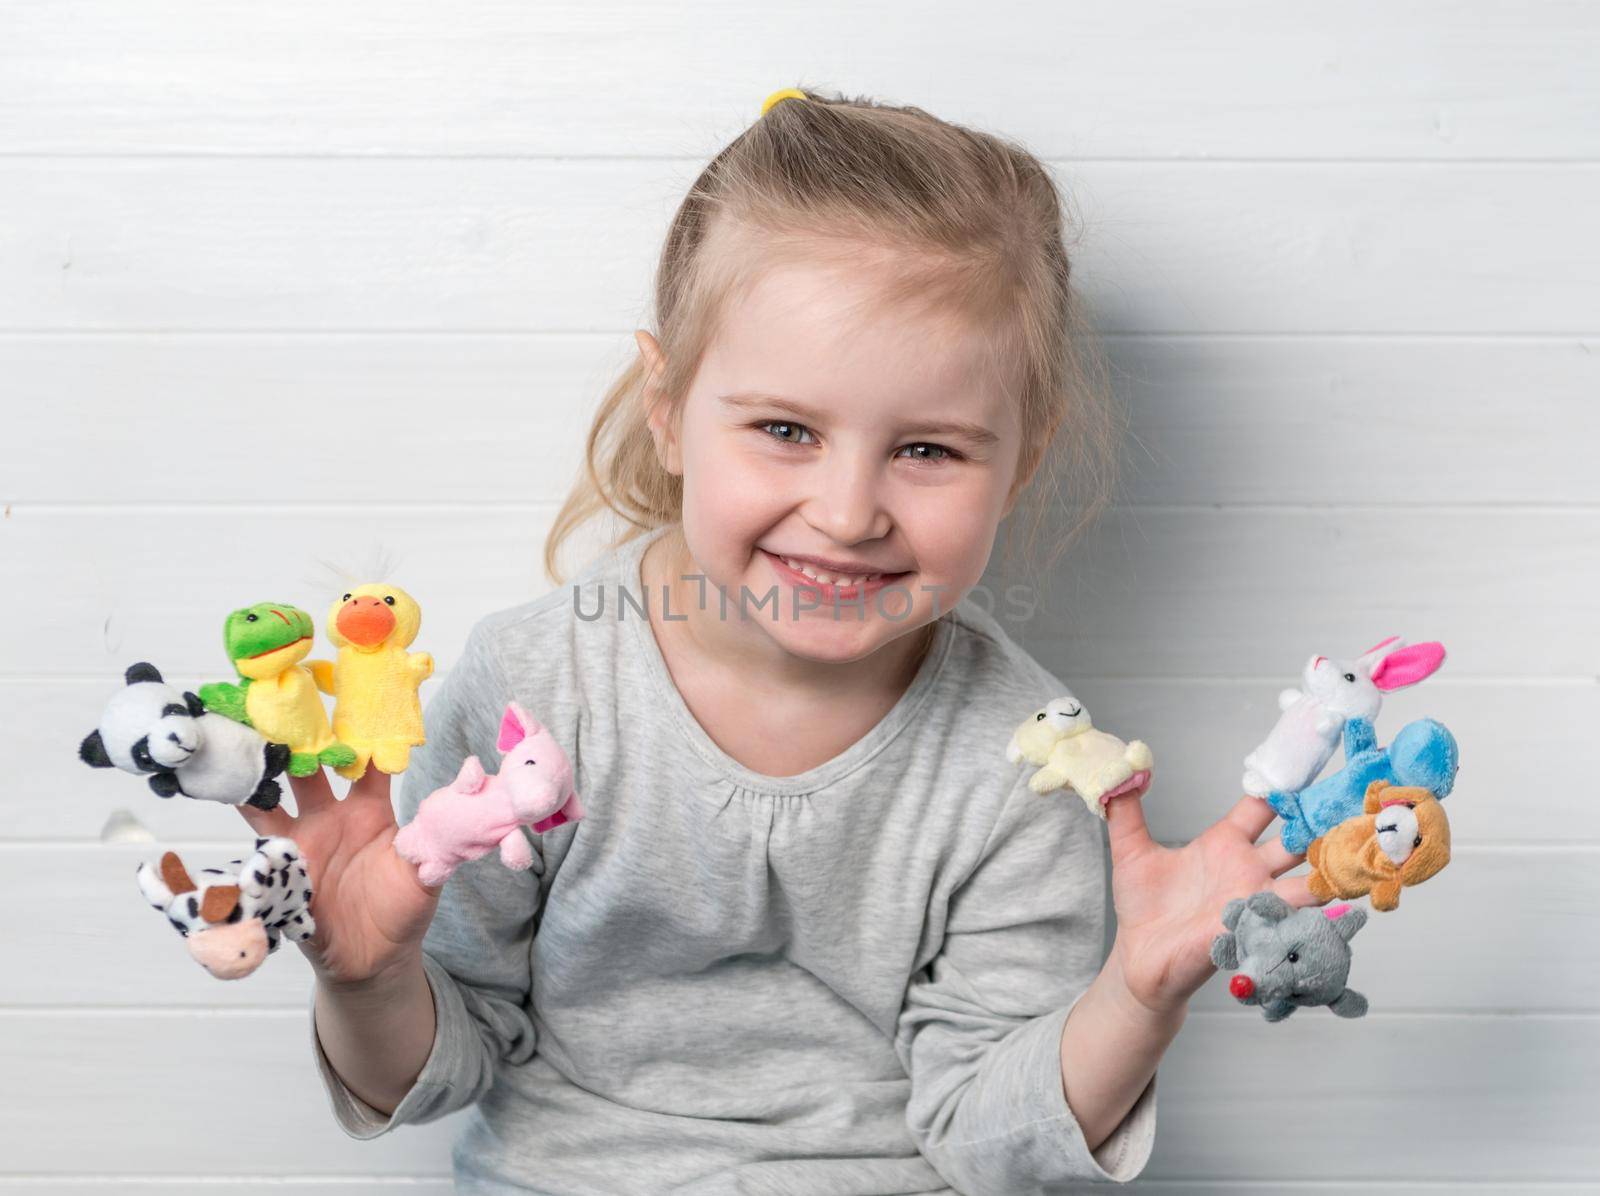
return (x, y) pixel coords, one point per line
(1402, 838)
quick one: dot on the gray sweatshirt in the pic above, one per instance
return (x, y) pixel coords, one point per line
(852, 980)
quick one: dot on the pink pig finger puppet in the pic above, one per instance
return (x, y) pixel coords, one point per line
(1313, 716)
(476, 812)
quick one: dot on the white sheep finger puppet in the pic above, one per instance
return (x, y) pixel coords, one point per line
(149, 728)
(234, 917)
(1332, 692)
(475, 813)
(1062, 742)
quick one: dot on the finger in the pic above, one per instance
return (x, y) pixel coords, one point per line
(1126, 826)
(1252, 815)
(312, 793)
(275, 821)
(1295, 891)
(1277, 858)
(372, 785)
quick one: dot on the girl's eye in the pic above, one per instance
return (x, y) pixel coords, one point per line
(785, 428)
(944, 453)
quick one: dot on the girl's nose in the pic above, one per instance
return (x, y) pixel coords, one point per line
(847, 506)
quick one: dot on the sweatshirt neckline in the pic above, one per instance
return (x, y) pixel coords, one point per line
(630, 559)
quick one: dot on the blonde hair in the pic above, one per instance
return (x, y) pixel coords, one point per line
(963, 220)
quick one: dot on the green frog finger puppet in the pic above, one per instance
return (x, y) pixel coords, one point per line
(276, 694)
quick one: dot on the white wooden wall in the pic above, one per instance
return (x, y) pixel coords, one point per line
(283, 282)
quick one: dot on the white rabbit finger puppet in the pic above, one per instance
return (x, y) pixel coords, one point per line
(1062, 742)
(234, 917)
(1332, 691)
(150, 728)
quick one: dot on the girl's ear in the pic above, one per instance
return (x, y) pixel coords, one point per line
(657, 409)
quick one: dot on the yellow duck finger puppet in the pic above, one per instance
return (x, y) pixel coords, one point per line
(374, 680)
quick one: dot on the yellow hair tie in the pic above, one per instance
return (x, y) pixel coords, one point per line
(777, 97)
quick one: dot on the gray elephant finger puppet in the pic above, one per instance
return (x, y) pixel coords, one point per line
(152, 729)
(232, 918)
(1287, 958)
(1069, 751)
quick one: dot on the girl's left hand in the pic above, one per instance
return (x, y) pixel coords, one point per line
(1169, 900)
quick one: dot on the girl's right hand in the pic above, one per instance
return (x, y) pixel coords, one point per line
(370, 908)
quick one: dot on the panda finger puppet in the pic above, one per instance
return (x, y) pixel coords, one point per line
(152, 729)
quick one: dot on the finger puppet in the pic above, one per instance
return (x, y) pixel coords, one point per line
(1289, 957)
(1067, 749)
(477, 812)
(374, 681)
(276, 694)
(1403, 838)
(233, 918)
(1423, 755)
(1332, 691)
(150, 727)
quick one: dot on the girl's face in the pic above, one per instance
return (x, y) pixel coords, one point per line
(866, 446)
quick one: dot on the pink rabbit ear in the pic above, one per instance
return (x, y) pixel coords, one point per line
(1336, 911)
(516, 726)
(1380, 645)
(1408, 666)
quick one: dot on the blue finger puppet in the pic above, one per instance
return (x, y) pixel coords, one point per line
(1423, 754)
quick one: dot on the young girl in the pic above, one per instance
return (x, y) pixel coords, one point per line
(814, 935)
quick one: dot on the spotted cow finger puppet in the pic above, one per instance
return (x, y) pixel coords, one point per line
(151, 729)
(1062, 743)
(232, 918)
(374, 679)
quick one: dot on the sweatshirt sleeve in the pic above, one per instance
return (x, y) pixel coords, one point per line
(980, 1030)
(477, 951)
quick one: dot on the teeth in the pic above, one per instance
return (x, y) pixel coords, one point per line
(826, 578)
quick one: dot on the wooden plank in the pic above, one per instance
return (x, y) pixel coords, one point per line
(1521, 1080)
(1182, 592)
(517, 411)
(1427, 80)
(1380, 421)
(118, 1066)
(1319, 421)
(1428, 956)
(1485, 1098)
(1200, 731)
(508, 244)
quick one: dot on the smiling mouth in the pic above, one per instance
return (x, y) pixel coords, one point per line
(800, 573)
